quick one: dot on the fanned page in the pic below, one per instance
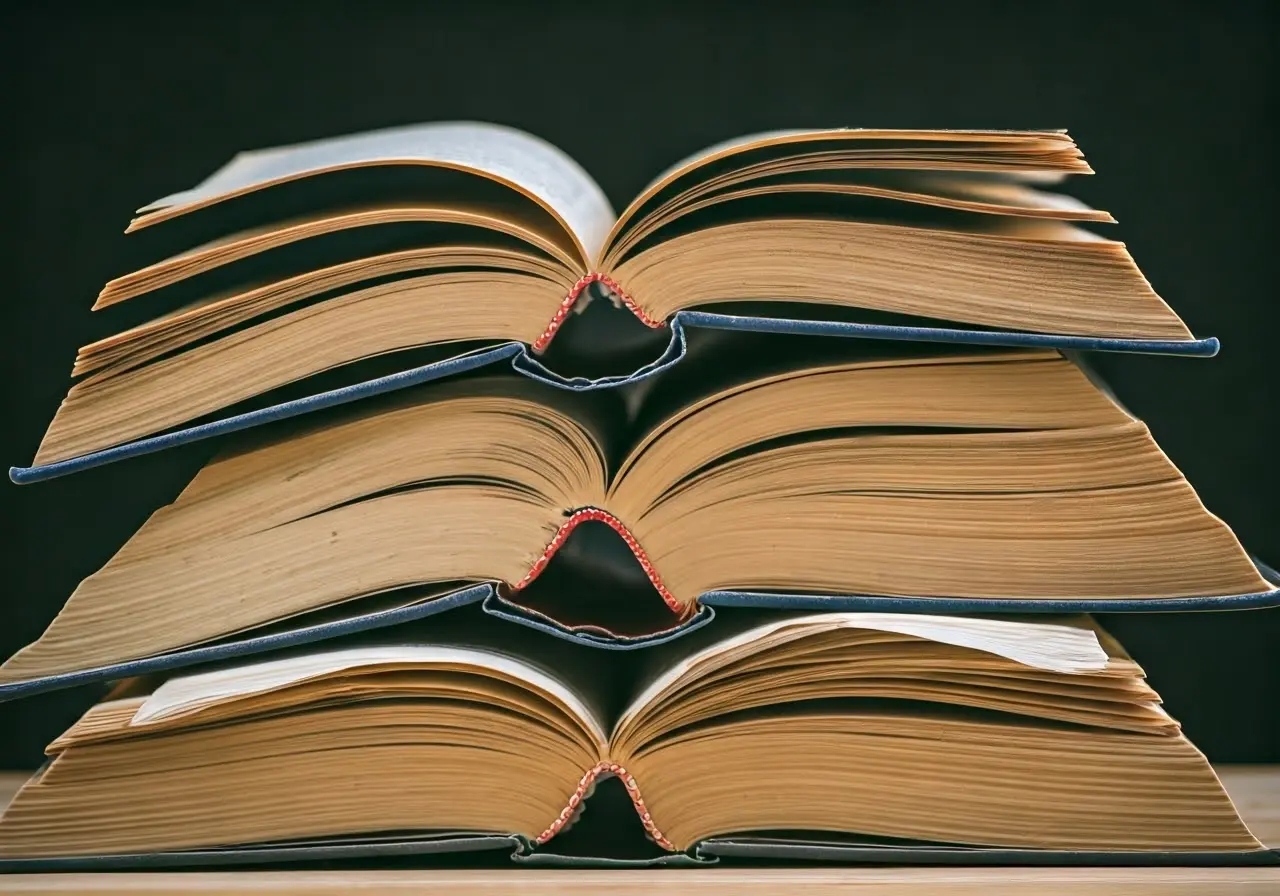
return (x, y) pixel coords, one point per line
(1039, 735)
(1052, 646)
(199, 693)
(796, 143)
(510, 156)
(861, 207)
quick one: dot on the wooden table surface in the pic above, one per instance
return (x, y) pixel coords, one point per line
(1256, 790)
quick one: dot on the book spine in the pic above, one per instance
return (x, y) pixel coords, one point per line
(595, 514)
(567, 305)
(603, 770)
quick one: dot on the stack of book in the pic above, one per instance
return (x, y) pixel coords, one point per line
(767, 516)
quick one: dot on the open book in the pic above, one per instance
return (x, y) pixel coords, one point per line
(909, 471)
(312, 257)
(909, 729)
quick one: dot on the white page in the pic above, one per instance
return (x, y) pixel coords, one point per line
(189, 692)
(529, 162)
(1039, 645)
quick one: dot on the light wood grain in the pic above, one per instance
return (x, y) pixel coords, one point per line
(739, 882)
(1256, 790)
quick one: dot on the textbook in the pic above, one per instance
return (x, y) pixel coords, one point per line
(767, 732)
(481, 240)
(905, 471)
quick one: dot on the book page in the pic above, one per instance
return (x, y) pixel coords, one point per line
(184, 694)
(1064, 647)
(523, 161)
(802, 136)
(723, 148)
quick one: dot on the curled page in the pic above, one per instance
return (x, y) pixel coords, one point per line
(1054, 647)
(523, 161)
(191, 693)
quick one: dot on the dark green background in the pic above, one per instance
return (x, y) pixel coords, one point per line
(1175, 105)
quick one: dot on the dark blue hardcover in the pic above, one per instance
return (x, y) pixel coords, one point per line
(487, 595)
(523, 361)
(429, 850)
